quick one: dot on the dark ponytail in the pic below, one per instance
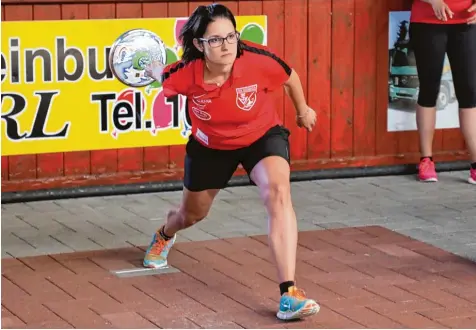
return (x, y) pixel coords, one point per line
(196, 26)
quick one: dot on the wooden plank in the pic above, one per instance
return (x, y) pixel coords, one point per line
(129, 159)
(76, 162)
(74, 11)
(386, 142)
(192, 5)
(24, 166)
(274, 10)
(342, 78)
(103, 161)
(177, 153)
(232, 5)
(102, 10)
(155, 158)
(453, 140)
(129, 10)
(295, 50)
(48, 165)
(46, 12)
(154, 9)
(248, 7)
(319, 77)
(365, 83)
(4, 168)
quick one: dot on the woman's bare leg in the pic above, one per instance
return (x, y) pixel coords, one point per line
(467, 122)
(272, 176)
(195, 207)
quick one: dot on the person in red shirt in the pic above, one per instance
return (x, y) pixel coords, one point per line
(229, 84)
(439, 27)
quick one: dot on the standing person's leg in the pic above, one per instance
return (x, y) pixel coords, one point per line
(267, 162)
(429, 45)
(462, 56)
(206, 172)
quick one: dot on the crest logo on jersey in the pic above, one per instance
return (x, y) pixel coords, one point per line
(246, 97)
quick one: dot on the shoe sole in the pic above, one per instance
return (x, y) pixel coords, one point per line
(429, 180)
(472, 181)
(154, 266)
(305, 312)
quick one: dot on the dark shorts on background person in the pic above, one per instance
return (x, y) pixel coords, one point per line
(207, 168)
(430, 43)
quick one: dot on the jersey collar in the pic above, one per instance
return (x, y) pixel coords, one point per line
(199, 66)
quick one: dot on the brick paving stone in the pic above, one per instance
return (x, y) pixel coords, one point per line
(414, 320)
(166, 321)
(450, 312)
(445, 298)
(217, 320)
(76, 313)
(51, 325)
(129, 320)
(370, 319)
(389, 308)
(468, 293)
(12, 322)
(460, 323)
(360, 281)
(28, 310)
(332, 320)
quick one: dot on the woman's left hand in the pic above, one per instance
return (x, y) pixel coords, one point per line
(306, 118)
(472, 9)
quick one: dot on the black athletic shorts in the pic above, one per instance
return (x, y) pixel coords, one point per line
(430, 42)
(207, 168)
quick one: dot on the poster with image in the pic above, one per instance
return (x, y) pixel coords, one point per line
(403, 84)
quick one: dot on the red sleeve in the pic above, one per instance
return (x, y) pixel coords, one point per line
(276, 69)
(272, 66)
(176, 79)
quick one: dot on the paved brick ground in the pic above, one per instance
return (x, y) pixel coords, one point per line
(364, 277)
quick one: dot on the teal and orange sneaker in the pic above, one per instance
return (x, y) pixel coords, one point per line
(294, 305)
(156, 254)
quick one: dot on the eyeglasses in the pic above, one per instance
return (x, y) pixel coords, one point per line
(218, 41)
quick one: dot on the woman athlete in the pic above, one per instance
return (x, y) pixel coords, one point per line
(229, 86)
(439, 27)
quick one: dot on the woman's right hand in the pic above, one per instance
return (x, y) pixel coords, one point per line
(155, 70)
(441, 9)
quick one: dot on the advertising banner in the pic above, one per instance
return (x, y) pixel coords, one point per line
(58, 93)
(403, 83)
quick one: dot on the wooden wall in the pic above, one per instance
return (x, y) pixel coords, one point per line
(339, 48)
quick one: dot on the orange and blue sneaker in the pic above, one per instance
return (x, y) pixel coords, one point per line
(294, 305)
(156, 254)
(426, 171)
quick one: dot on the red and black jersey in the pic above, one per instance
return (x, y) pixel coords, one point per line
(240, 111)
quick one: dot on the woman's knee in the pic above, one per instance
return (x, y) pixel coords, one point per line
(277, 194)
